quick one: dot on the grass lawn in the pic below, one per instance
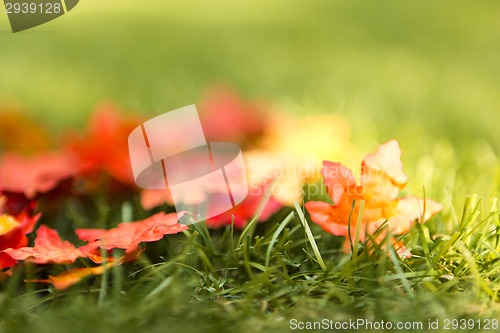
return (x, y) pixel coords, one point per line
(424, 73)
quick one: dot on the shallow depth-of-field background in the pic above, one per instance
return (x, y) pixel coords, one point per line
(425, 73)
(410, 71)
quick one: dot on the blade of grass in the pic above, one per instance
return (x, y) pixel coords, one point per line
(162, 286)
(104, 280)
(276, 235)
(310, 236)
(355, 246)
(250, 228)
(396, 261)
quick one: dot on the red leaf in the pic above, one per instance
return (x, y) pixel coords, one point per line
(104, 148)
(128, 235)
(226, 117)
(13, 231)
(34, 174)
(49, 249)
(244, 212)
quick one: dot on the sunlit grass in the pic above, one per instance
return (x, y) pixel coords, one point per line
(427, 76)
(268, 275)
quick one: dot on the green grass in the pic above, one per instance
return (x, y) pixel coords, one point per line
(426, 73)
(264, 276)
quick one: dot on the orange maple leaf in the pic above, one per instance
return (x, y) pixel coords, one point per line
(75, 275)
(20, 133)
(382, 178)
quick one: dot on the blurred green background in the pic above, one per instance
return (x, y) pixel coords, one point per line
(426, 73)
